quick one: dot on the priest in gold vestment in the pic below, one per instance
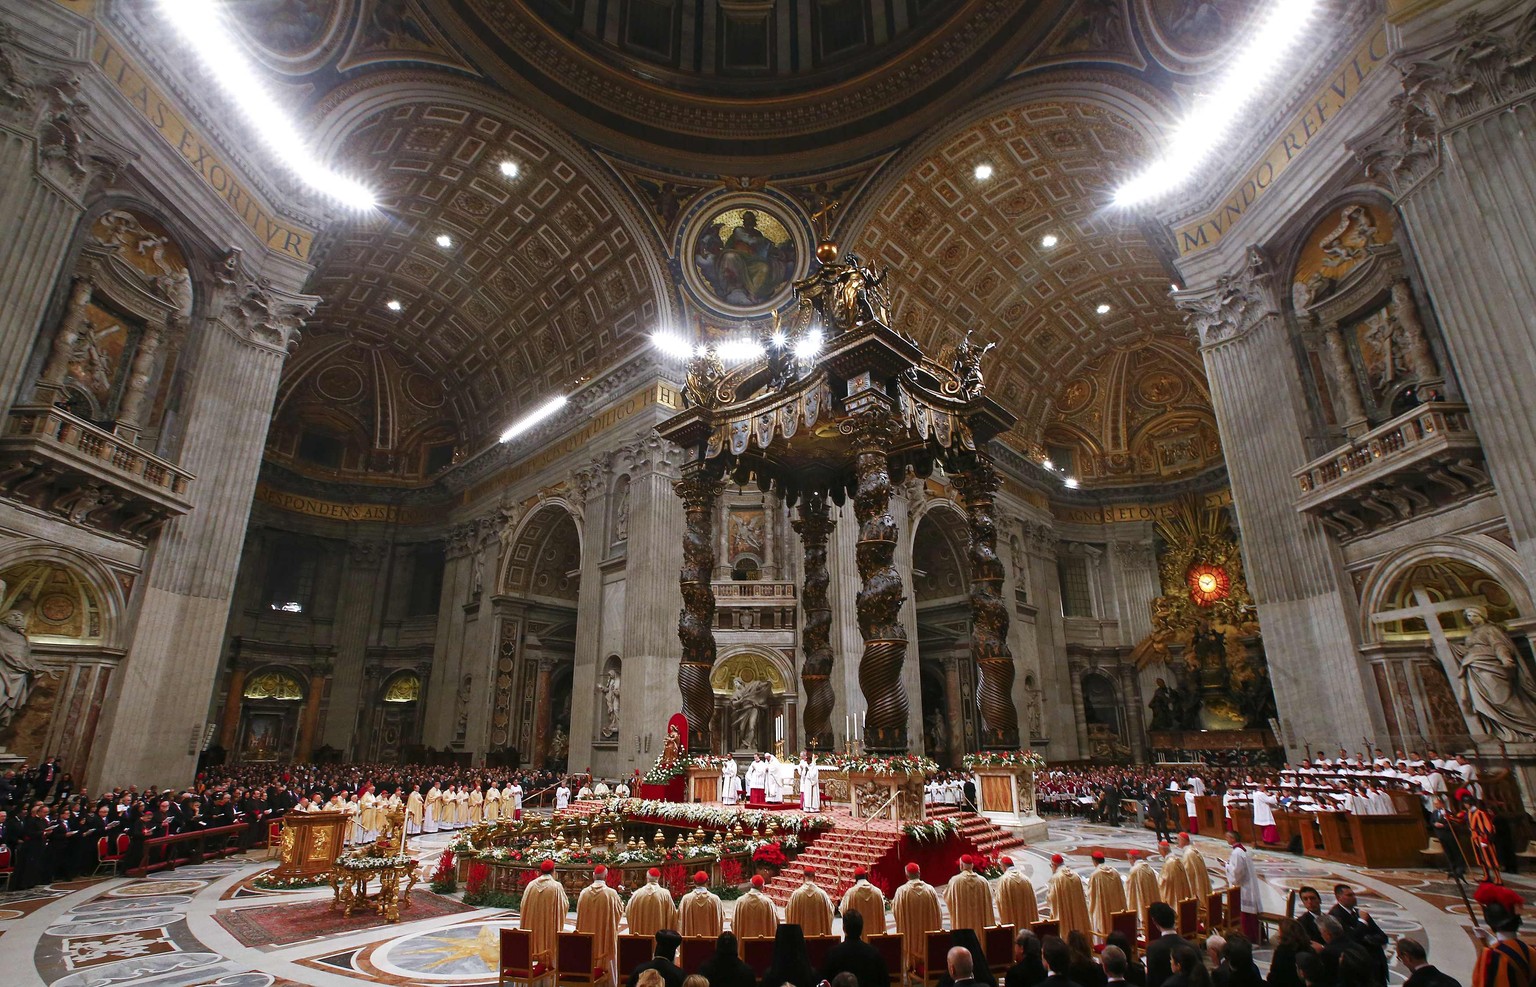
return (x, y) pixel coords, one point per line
(543, 911)
(969, 898)
(868, 899)
(1141, 888)
(702, 913)
(476, 806)
(1068, 899)
(492, 803)
(916, 908)
(755, 917)
(1106, 896)
(1016, 905)
(1197, 872)
(414, 806)
(1172, 880)
(810, 907)
(598, 911)
(651, 907)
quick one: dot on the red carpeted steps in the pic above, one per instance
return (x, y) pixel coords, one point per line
(834, 855)
(979, 831)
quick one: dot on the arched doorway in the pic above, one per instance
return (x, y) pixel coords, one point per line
(66, 618)
(270, 703)
(941, 585)
(395, 720)
(754, 703)
(1104, 716)
(1416, 616)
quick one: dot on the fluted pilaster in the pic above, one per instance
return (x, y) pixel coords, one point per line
(359, 600)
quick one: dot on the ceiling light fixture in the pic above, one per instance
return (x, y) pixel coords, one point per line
(394, 305)
(1071, 482)
(739, 350)
(1249, 70)
(983, 172)
(1047, 464)
(1103, 308)
(533, 417)
(444, 240)
(672, 344)
(1049, 240)
(809, 345)
(202, 27)
(509, 169)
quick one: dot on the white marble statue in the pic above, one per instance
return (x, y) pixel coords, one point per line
(18, 672)
(1495, 688)
(609, 690)
(749, 701)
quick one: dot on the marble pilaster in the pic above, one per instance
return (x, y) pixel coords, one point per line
(359, 603)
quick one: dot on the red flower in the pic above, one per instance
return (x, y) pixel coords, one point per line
(771, 854)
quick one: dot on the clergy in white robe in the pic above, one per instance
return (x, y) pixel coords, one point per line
(773, 780)
(562, 797)
(810, 786)
(730, 782)
(757, 780)
(1242, 875)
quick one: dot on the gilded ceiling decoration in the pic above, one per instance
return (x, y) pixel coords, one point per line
(546, 557)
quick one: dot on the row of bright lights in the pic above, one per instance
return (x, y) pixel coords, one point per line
(733, 351)
(1069, 481)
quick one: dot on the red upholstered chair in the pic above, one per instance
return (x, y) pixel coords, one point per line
(5, 866)
(757, 952)
(694, 952)
(575, 959)
(936, 956)
(1125, 923)
(1046, 928)
(997, 943)
(893, 951)
(1215, 910)
(274, 837)
(817, 948)
(1189, 917)
(633, 950)
(516, 962)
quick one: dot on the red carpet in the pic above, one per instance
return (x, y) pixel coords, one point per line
(279, 925)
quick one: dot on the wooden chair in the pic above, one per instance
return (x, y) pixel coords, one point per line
(575, 959)
(1234, 901)
(892, 949)
(1125, 923)
(936, 956)
(1266, 919)
(757, 952)
(274, 838)
(1215, 912)
(695, 951)
(633, 950)
(817, 948)
(1049, 927)
(997, 943)
(516, 960)
(1189, 917)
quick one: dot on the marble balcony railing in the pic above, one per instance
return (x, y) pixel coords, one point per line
(1423, 460)
(64, 465)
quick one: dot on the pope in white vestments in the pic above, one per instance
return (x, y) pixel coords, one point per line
(773, 782)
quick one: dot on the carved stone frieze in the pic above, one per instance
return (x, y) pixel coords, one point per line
(41, 96)
(1236, 304)
(1136, 554)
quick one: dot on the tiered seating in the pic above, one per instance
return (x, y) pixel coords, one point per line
(979, 831)
(833, 855)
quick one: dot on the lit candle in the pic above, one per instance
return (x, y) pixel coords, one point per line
(847, 728)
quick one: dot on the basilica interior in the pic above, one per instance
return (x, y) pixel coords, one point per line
(484, 383)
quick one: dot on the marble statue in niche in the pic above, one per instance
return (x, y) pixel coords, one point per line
(609, 691)
(749, 701)
(18, 671)
(1496, 690)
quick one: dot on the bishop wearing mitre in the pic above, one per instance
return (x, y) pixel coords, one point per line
(916, 907)
(702, 913)
(542, 914)
(1197, 872)
(810, 907)
(598, 911)
(1106, 896)
(868, 899)
(1016, 904)
(755, 916)
(1141, 888)
(1173, 879)
(651, 907)
(969, 898)
(1068, 899)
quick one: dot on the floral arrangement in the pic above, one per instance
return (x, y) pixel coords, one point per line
(445, 879)
(376, 863)
(897, 764)
(1004, 759)
(661, 774)
(474, 882)
(933, 831)
(988, 866)
(770, 855)
(688, 814)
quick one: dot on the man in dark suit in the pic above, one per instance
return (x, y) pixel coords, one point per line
(1160, 948)
(672, 975)
(1360, 927)
(1312, 903)
(1158, 813)
(961, 967)
(1421, 973)
(1028, 968)
(1057, 958)
(854, 955)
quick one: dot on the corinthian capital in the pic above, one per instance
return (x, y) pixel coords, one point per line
(1236, 304)
(256, 309)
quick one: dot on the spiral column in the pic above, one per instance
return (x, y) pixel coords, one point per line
(879, 600)
(699, 489)
(989, 614)
(814, 525)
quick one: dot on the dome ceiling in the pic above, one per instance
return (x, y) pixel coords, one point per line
(629, 121)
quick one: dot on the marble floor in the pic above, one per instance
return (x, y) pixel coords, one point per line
(174, 929)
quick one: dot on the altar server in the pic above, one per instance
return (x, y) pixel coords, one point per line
(757, 779)
(730, 782)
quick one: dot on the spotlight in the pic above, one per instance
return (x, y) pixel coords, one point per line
(672, 344)
(533, 417)
(739, 350)
(1071, 482)
(1103, 308)
(509, 169)
(1047, 464)
(394, 305)
(983, 172)
(1049, 240)
(779, 339)
(809, 345)
(444, 240)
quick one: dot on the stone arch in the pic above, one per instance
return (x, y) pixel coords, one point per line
(537, 532)
(755, 663)
(940, 537)
(109, 587)
(1478, 551)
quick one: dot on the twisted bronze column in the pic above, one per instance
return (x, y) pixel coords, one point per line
(814, 525)
(699, 489)
(977, 484)
(880, 598)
